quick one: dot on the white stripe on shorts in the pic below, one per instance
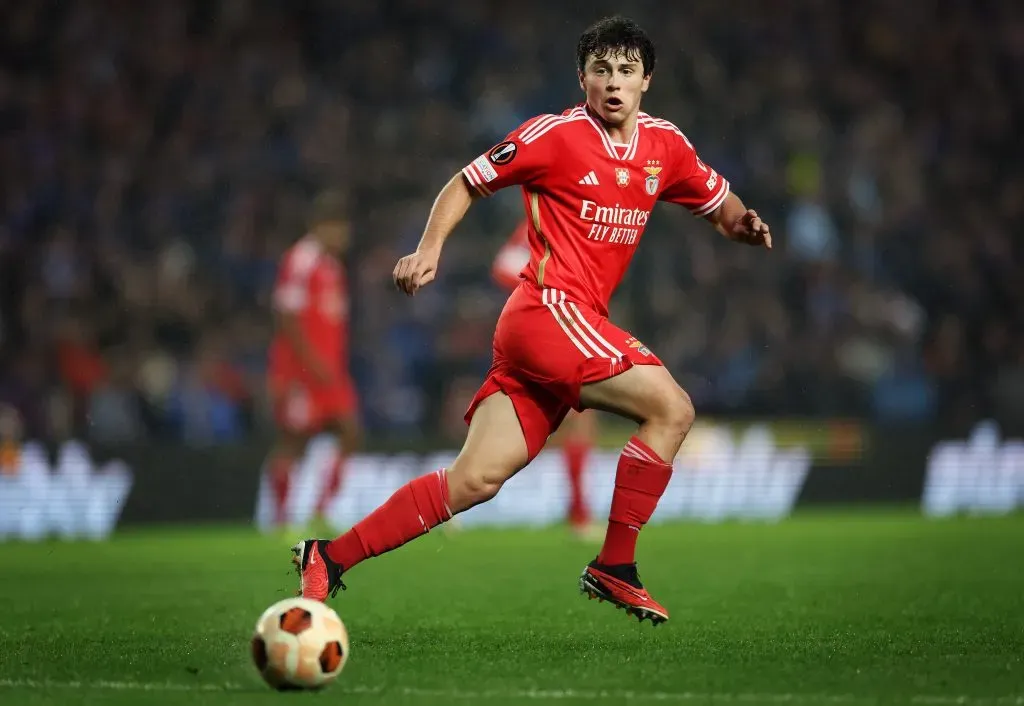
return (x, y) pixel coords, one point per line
(584, 341)
(580, 318)
(548, 299)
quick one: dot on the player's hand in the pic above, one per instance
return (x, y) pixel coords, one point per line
(416, 270)
(750, 229)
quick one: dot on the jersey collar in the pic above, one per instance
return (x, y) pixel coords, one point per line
(609, 146)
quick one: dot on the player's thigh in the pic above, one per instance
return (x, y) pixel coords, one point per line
(643, 393)
(495, 450)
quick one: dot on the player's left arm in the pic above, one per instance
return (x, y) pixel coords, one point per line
(739, 223)
(707, 194)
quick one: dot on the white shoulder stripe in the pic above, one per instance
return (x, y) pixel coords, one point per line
(664, 125)
(546, 123)
(538, 124)
(551, 126)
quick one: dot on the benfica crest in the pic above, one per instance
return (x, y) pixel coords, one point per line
(653, 169)
(638, 346)
(622, 176)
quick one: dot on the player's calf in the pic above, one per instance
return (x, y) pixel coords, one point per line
(649, 395)
(495, 449)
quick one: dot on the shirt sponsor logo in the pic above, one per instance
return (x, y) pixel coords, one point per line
(613, 224)
(712, 180)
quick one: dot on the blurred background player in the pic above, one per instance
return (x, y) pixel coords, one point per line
(578, 432)
(309, 383)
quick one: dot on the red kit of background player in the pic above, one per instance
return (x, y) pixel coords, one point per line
(308, 377)
(311, 286)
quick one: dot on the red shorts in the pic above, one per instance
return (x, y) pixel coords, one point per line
(545, 349)
(300, 406)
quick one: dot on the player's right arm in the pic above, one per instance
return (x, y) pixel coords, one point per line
(415, 270)
(521, 158)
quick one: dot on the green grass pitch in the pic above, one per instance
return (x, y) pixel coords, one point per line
(858, 609)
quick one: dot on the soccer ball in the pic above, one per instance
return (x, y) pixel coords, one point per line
(299, 644)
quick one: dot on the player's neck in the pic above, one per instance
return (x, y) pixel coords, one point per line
(621, 133)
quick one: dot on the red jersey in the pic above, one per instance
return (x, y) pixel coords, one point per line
(513, 257)
(588, 199)
(311, 284)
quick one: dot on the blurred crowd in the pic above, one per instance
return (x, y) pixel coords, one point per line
(156, 159)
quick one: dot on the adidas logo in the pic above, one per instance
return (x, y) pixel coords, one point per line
(590, 179)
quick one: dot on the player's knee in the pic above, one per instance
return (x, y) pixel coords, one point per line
(479, 489)
(472, 485)
(675, 411)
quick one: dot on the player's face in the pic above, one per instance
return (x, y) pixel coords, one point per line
(614, 85)
(334, 235)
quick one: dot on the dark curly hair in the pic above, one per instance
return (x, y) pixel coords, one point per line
(611, 35)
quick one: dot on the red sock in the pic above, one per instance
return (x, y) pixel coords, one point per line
(280, 481)
(335, 472)
(640, 481)
(413, 510)
(576, 453)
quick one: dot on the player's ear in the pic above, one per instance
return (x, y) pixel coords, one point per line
(579, 75)
(647, 82)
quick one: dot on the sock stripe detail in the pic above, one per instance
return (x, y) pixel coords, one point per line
(634, 451)
(442, 479)
(635, 448)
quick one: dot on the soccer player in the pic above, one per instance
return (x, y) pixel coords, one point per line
(308, 379)
(579, 430)
(589, 179)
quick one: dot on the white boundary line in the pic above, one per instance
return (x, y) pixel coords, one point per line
(534, 694)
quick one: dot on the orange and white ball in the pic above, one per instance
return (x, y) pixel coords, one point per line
(299, 644)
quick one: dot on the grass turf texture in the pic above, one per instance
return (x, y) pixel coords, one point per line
(840, 608)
